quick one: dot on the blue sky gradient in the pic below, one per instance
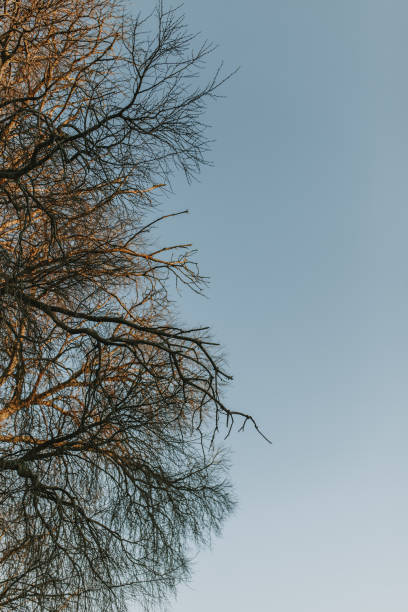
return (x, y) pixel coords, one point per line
(302, 226)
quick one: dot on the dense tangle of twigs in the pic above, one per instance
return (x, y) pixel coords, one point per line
(107, 407)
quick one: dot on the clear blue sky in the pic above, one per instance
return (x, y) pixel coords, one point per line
(302, 226)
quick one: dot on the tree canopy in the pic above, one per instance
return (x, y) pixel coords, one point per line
(109, 465)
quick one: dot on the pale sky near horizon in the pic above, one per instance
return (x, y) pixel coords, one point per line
(302, 226)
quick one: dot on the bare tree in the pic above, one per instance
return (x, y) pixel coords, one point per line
(108, 408)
